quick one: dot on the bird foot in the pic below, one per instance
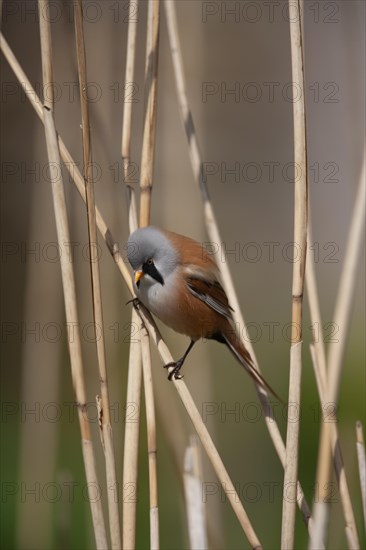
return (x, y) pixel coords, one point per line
(175, 372)
(135, 302)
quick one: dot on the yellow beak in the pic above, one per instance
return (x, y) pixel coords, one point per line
(138, 275)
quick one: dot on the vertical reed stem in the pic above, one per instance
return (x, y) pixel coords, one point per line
(68, 279)
(114, 521)
(300, 243)
(151, 85)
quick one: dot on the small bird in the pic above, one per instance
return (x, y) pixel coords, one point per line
(177, 281)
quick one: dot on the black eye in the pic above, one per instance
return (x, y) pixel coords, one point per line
(150, 261)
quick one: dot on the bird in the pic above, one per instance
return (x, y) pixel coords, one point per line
(178, 281)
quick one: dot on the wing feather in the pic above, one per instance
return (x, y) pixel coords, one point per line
(211, 293)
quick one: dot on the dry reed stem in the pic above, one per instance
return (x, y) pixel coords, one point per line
(360, 446)
(151, 439)
(193, 492)
(129, 78)
(127, 117)
(342, 315)
(298, 280)
(151, 88)
(180, 385)
(202, 431)
(146, 180)
(350, 522)
(146, 177)
(67, 159)
(114, 521)
(314, 307)
(214, 235)
(68, 281)
(131, 447)
(134, 380)
(347, 285)
(317, 350)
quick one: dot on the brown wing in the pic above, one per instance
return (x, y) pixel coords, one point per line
(211, 294)
(200, 274)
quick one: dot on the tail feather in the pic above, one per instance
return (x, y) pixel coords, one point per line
(243, 356)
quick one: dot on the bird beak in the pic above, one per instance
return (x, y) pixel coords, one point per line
(138, 275)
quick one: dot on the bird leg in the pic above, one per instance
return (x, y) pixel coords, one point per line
(178, 364)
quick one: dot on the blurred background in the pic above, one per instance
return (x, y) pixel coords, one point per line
(238, 70)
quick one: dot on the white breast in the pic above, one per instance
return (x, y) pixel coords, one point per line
(160, 299)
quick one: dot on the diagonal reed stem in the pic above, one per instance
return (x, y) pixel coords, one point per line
(361, 458)
(112, 245)
(114, 523)
(317, 350)
(342, 315)
(350, 523)
(214, 234)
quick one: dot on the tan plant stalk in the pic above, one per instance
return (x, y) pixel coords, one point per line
(134, 380)
(314, 307)
(127, 115)
(360, 446)
(342, 315)
(148, 321)
(146, 183)
(320, 367)
(347, 285)
(131, 448)
(193, 491)
(202, 432)
(68, 281)
(108, 446)
(129, 79)
(151, 89)
(298, 280)
(214, 235)
(68, 161)
(151, 439)
(350, 523)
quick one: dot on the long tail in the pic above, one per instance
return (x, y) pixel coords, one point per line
(243, 356)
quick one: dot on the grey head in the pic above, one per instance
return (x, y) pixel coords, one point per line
(149, 250)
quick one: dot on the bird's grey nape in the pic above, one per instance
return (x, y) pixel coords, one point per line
(150, 242)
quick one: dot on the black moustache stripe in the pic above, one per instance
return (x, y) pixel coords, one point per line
(151, 270)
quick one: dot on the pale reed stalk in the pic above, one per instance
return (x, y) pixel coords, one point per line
(298, 281)
(107, 434)
(134, 380)
(215, 237)
(68, 280)
(145, 207)
(112, 245)
(342, 317)
(320, 368)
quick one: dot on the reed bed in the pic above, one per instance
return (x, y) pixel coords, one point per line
(328, 364)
